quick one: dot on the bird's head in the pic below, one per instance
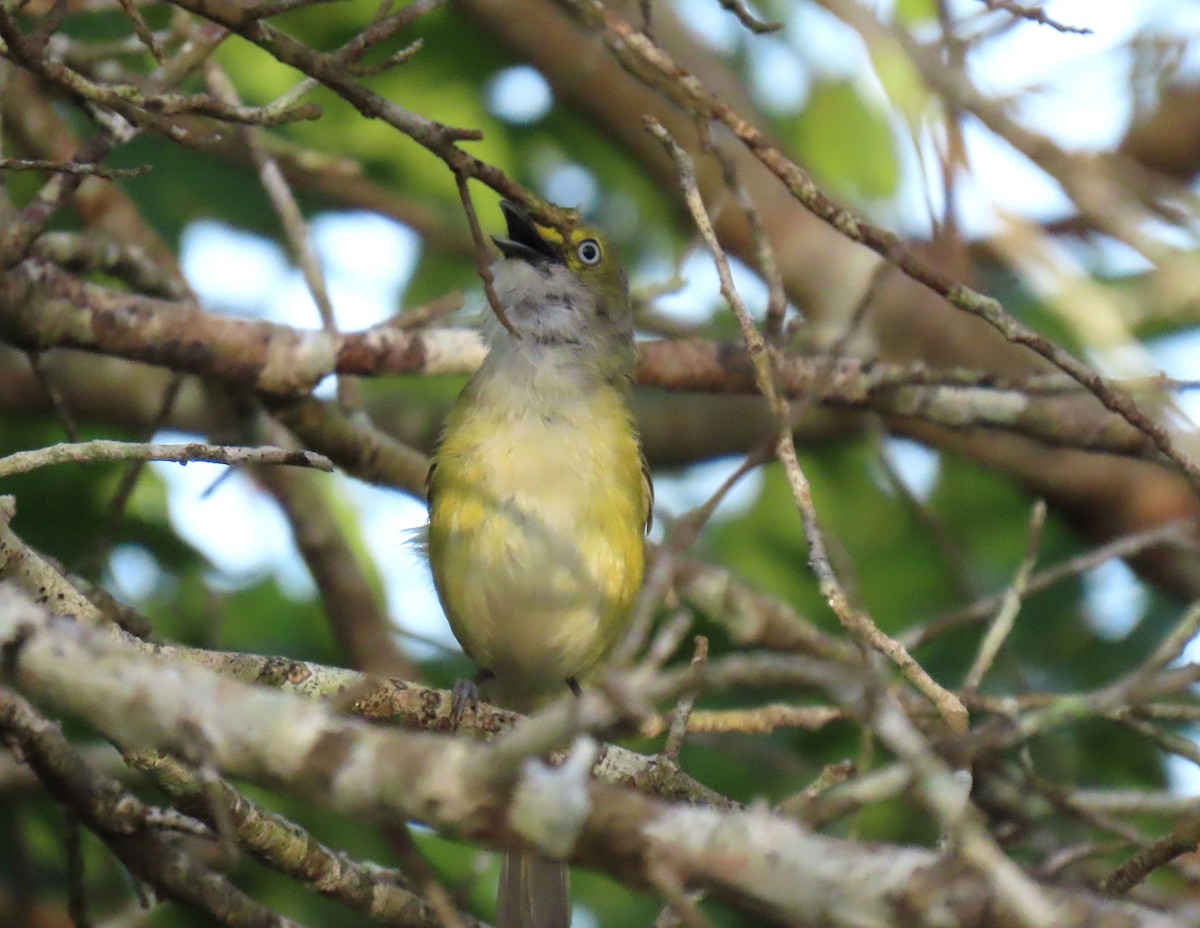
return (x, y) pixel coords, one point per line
(564, 287)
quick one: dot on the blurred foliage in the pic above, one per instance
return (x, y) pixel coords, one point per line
(880, 540)
(847, 142)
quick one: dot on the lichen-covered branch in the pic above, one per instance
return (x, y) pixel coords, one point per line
(753, 859)
(119, 819)
(385, 895)
(400, 702)
(101, 450)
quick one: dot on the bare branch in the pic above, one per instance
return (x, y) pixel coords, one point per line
(1034, 14)
(70, 167)
(1173, 533)
(481, 256)
(748, 19)
(1183, 839)
(90, 452)
(1006, 617)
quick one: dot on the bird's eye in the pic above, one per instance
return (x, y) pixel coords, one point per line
(589, 251)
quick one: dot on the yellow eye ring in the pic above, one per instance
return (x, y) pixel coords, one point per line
(589, 252)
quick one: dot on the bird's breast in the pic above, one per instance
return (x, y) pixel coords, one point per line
(536, 531)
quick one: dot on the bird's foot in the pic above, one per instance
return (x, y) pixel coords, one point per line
(466, 696)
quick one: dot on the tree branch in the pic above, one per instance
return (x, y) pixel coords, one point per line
(45, 307)
(119, 819)
(751, 859)
(101, 450)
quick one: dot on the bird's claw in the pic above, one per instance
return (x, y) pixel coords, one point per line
(465, 695)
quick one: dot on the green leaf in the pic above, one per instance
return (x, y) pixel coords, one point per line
(905, 87)
(914, 12)
(846, 143)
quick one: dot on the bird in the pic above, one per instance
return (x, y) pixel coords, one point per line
(540, 497)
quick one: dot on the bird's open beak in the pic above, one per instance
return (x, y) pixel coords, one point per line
(524, 241)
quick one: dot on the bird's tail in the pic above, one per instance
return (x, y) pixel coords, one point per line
(534, 893)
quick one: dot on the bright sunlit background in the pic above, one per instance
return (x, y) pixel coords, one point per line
(1085, 103)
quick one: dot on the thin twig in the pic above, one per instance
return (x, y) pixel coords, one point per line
(133, 103)
(418, 317)
(681, 535)
(77, 905)
(830, 776)
(216, 809)
(861, 624)
(144, 33)
(1178, 533)
(71, 167)
(669, 885)
(950, 549)
(748, 19)
(683, 708)
(291, 218)
(61, 411)
(1183, 838)
(116, 817)
(1166, 653)
(764, 254)
(1002, 624)
(424, 876)
(830, 805)
(947, 796)
(666, 640)
(760, 720)
(129, 479)
(482, 264)
(284, 846)
(1034, 15)
(102, 450)
(1167, 741)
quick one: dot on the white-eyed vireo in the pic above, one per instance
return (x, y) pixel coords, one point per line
(539, 496)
